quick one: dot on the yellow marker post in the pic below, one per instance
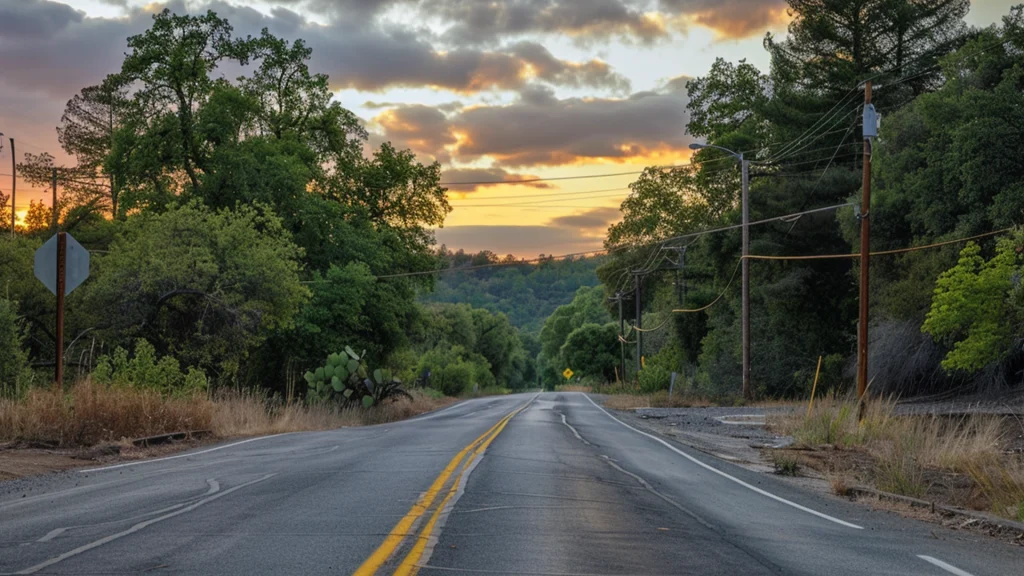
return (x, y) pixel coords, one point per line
(814, 387)
(567, 373)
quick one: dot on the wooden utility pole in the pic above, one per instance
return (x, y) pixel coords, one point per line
(865, 255)
(639, 321)
(622, 338)
(14, 186)
(62, 268)
(53, 210)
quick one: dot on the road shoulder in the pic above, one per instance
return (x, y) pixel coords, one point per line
(720, 432)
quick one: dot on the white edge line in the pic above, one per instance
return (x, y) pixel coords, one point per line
(728, 476)
(136, 528)
(947, 567)
(186, 455)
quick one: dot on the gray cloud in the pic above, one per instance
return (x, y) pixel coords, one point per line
(548, 131)
(34, 17)
(483, 22)
(730, 18)
(48, 46)
(475, 23)
(592, 221)
(523, 241)
(423, 129)
(540, 129)
(454, 176)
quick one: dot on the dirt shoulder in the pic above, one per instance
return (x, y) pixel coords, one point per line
(20, 459)
(738, 435)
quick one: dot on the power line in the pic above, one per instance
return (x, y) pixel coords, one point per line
(881, 252)
(532, 180)
(615, 195)
(548, 194)
(783, 218)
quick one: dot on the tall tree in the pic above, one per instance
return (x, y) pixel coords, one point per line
(170, 65)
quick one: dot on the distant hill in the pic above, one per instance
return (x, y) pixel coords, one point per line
(526, 293)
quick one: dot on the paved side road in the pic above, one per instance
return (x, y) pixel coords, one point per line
(545, 484)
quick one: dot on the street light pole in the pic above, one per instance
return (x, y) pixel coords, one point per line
(744, 263)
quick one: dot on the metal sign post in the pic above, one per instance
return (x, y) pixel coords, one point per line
(62, 270)
(61, 264)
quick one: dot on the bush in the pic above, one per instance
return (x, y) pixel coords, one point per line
(654, 378)
(455, 379)
(145, 371)
(15, 374)
(453, 370)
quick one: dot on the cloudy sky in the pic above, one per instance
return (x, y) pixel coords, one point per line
(495, 90)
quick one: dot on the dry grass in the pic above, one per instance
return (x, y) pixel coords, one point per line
(908, 450)
(655, 400)
(91, 413)
(573, 388)
(786, 464)
(839, 483)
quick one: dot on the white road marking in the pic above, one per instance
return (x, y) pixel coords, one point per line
(136, 528)
(214, 486)
(947, 567)
(728, 476)
(430, 415)
(214, 449)
(578, 437)
(52, 534)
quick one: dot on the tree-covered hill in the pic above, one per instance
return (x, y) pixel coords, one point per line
(526, 293)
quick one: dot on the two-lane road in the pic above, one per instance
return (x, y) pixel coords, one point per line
(524, 484)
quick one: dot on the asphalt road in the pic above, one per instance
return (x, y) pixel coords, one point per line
(561, 488)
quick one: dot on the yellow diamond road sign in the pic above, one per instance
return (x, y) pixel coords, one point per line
(567, 373)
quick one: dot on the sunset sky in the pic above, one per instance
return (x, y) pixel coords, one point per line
(494, 90)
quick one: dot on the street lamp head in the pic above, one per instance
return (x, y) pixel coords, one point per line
(696, 146)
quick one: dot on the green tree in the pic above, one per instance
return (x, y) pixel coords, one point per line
(203, 286)
(14, 367)
(169, 67)
(587, 307)
(972, 309)
(592, 351)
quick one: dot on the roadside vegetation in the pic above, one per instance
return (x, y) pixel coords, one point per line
(968, 460)
(248, 244)
(946, 318)
(92, 413)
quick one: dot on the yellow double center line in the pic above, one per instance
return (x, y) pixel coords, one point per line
(399, 532)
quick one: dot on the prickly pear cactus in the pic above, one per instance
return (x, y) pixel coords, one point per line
(347, 380)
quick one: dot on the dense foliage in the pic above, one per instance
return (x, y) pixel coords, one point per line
(946, 166)
(526, 293)
(239, 231)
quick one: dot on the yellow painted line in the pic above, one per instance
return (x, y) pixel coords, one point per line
(408, 566)
(398, 533)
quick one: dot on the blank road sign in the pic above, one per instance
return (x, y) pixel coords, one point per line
(77, 259)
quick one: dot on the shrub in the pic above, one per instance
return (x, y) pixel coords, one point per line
(455, 379)
(15, 374)
(453, 370)
(145, 371)
(654, 378)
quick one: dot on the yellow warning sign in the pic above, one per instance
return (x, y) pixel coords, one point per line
(567, 373)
